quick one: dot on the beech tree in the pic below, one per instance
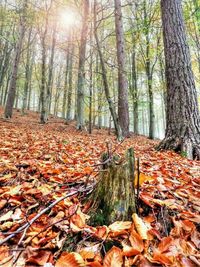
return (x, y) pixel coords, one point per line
(12, 86)
(123, 111)
(183, 121)
(81, 68)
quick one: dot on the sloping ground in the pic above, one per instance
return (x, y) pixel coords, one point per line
(41, 164)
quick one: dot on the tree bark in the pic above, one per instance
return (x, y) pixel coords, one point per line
(70, 87)
(81, 68)
(149, 75)
(43, 80)
(66, 81)
(51, 72)
(123, 111)
(13, 80)
(134, 92)
(27, 74)
(183, 121)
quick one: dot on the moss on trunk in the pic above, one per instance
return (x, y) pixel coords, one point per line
(115, 194)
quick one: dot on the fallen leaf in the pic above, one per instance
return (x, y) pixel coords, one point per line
(113, 258)
(140, 226)
(70, 260)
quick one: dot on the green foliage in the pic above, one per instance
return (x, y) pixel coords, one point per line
(183, 154)
(97, 218)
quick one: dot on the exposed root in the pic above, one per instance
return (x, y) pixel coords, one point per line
(185, 146)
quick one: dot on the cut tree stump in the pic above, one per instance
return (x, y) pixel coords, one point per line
(114, 196)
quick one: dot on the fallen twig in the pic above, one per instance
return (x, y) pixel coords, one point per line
(28, 224)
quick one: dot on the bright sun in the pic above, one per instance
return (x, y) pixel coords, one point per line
(68, 18)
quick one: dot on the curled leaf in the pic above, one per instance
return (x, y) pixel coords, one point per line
(140, 226)
(113, 258)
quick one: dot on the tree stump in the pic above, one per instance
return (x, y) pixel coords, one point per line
(115, 194)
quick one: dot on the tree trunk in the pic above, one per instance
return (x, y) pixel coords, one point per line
(183, 121)
(123, 111)
(27, 74)
(66, 81)
(13, 80)
(105, 81)
(4, 65)
(43, 83)
(51, 72)
(115, 194)
(134, 91)
(69, 95)
(81, 68)
(30, 81)
(43, 102)
(91, 80)
(149, 75)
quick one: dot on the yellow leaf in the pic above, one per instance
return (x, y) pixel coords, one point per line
(6, 216)
(120, 226)
(143, 178)
(141, 227)
(70, 260)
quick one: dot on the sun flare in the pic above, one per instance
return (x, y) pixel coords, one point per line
(68, 18)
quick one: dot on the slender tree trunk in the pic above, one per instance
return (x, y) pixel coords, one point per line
(98, 86)
(81, 68)
(123, 111)
(134, 91)
(6, 89)
(69, 95)
(91, 80)
(51, 70)
(27, 74)
(4, 64)
(105, 81)
(183, 121)
(12, 87)
(66, 79)
(43, 81)
(30, 81)
(149, 76)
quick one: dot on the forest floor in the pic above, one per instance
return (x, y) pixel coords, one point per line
(40, 164)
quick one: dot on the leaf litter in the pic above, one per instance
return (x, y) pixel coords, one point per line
(47, 172)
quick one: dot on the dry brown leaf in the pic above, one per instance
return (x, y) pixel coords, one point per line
(39, 257)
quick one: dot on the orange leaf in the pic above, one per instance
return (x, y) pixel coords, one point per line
(162, 258)
(77, 223)
(119, 228)
(113, 258)
(165, 244)
(86, 254)
(136, 241)
(94, 264)
(129, 251)
(40, 257)
(4, 252)
(101, 232)
(70, 260)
